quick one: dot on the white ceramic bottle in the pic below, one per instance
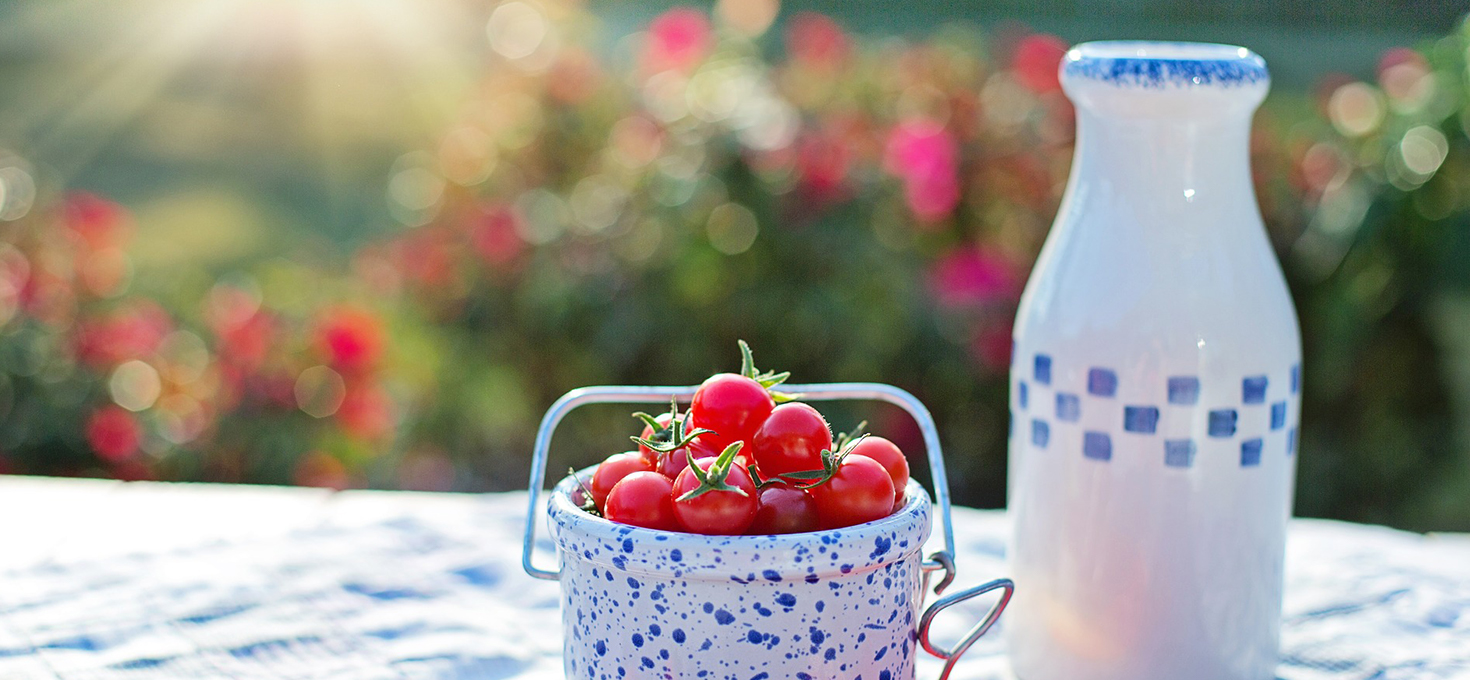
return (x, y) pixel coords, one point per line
(1154, 385)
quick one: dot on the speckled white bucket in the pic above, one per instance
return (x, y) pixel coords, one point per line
(639, 603)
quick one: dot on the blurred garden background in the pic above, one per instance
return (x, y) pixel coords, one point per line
(366, 244)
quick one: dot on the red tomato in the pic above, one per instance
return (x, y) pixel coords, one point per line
(716, 512)
(648, 432)
(643, 499)
(890, 457)
(784, 510)
(734, 406)
(860, 491)
(674, 462)
(791, 440)
(613, 470)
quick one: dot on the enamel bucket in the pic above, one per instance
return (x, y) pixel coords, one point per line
(843, 603)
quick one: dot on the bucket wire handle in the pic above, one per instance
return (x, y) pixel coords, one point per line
(953, 654)
(625, 394)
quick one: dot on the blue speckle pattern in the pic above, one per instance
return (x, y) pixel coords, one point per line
(1174, 411)
(1157, 73)
(1184, 390)
(1102, 382)
(1179, 453)
(841, 603)
(1296, 379)
(1020, 394)
(1141, 419)
(1069, 407)
(1042, 369)
(1097, 445)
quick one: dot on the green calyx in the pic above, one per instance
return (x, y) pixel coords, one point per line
(847, 440)
(666, 438)
(831, 461)
(717, 477)
(768, 379)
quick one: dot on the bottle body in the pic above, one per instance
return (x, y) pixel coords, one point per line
(1154, 391)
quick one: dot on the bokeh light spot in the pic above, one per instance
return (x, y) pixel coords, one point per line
(319, 391)
(17, 191)
(516, 29)
(1424, 149)
(135, 385)
(1356, 109)
(748, 17)
(732, 228)
(596, 202)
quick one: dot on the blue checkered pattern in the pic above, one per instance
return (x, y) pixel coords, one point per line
(1221, 421)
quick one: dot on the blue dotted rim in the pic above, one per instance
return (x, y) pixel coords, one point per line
(573, 529)
(1155, 65)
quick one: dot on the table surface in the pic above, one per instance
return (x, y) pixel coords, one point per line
(103, 580)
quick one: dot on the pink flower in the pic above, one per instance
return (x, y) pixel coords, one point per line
(926, 157)
(815, 40)
(971, 277)
(677, 39)
(1036, 61)
(494, 236)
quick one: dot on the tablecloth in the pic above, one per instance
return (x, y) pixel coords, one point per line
(109, 580)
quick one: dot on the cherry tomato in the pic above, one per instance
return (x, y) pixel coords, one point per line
(716, 512)
(648, 433)
(613, 470)
(890, 457)
(643, 499)
(791, 440)
(860, 491)
(674, 462)
(784, 509)
(677, 461)
(734, 406)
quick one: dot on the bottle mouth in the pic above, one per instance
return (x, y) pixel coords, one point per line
(1158, 65)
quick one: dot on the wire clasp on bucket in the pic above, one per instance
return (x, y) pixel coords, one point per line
(941, 560)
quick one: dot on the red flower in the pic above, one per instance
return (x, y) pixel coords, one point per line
(366, 412)
(244, 345)
(816, 41)
(113, 433)
(677, 39)
(822, 163)
(100, 222)
(968, 276)
(350, 338)
(926, 156)
(1036, 62)
(129, 333)
(991, 346)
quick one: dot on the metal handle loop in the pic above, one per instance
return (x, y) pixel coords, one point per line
(951, 656)
(624, 394)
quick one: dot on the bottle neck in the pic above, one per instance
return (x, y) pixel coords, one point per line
(1172, 164)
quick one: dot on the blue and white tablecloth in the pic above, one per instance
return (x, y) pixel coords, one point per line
(107, 580)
